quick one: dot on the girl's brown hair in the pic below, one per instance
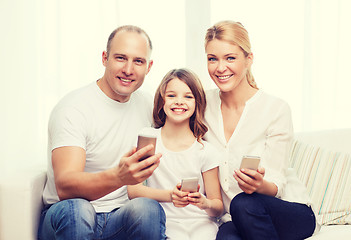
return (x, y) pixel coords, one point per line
(189, 78)
(234, 33)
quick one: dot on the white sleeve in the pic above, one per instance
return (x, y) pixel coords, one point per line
(67, 127)
(211, 157)
(279, 137)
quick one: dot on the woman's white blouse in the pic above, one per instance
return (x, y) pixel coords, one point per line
(264, 129)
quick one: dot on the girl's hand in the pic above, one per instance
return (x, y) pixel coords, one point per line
(199, 200)
(250, 181)
(179, 198)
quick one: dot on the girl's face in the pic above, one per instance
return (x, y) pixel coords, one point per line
(227, 64)
(179, 101)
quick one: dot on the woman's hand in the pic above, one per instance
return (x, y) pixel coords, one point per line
(249, 180)
(179, 198)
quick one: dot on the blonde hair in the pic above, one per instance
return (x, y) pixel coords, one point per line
(196, 123)
(234, 33)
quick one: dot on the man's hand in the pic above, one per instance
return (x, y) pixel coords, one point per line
(131, 171)
(73, 182)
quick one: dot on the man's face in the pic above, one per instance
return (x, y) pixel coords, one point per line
(126, 65)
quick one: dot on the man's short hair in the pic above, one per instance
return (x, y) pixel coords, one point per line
(127, 28)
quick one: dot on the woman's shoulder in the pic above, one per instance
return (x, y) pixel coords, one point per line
(212, 101)
(212, 93)
(265, 98)
(208, 148)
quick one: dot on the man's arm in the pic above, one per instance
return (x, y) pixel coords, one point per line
(72, 182)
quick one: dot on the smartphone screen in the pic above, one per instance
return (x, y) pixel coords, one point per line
(189, 184)
(144, 140)
(250, 162)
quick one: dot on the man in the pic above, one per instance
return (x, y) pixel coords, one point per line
(89, 131)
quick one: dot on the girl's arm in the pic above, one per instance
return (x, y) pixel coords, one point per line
(140, 190)
(212, 202)
(177, 197)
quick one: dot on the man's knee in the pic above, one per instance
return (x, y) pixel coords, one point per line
(144, 217)
(68, 219)
(145, 207)
(73, 211)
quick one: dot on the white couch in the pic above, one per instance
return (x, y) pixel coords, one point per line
(20, 195)
(327, 145)
(21, 203)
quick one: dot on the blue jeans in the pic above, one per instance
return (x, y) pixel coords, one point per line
(257, 216)
(76, 219)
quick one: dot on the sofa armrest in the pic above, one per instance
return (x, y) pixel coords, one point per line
(337, 140)
(322, 161)
(21, 204)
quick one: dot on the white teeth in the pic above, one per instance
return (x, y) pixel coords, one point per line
(224, 77)
(125, 80)
(178, 110)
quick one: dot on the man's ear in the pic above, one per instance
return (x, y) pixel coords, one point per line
(150, 65)
(104, 58)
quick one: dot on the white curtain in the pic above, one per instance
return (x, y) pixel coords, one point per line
(327, 51)
(50, 47)
(47, 49)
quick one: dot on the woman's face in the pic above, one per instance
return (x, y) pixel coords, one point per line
(227, 64)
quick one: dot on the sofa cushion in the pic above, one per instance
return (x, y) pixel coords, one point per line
(21, 195)
(327, 176)
(332, 232)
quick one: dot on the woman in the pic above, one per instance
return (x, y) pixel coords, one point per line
(244, 120)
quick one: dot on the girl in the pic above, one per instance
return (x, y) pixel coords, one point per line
(244, 120)
(179, 107)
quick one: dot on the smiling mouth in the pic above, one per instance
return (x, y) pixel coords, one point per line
(225, 77)
(178, 110)
(124, 80)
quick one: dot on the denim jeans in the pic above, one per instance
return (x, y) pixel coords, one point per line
(76, 219)
(261, 217)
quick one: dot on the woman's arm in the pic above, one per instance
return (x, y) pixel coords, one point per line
(279, 137)
(271, 179)
(212, 202)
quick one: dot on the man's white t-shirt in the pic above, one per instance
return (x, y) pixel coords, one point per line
(104, 128)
